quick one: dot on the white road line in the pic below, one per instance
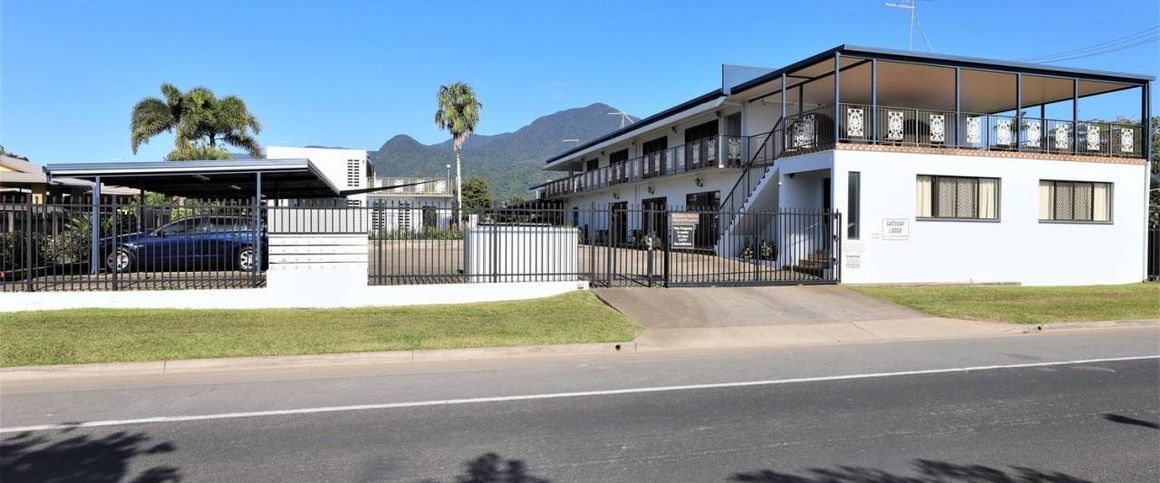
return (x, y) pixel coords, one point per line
(558, 395)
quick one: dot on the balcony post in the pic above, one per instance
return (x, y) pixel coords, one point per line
(1146, 136)
(873, 100)
(958, 104)
(783, 99)
(837, 94)
(1075, 116)
(1018, 110)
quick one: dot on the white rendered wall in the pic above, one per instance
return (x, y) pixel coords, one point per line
(521, 253)
(331, 162)
(1017, 248)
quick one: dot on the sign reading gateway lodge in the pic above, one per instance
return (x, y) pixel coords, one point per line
(684, 227)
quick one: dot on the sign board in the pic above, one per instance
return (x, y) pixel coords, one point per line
(895, 229)
(684, 226)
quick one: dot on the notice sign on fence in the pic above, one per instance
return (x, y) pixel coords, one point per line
(684, 226)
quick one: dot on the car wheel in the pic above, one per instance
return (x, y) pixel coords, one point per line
(246, 259)
(119, 260)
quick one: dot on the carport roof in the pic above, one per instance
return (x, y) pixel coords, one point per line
(230, 178)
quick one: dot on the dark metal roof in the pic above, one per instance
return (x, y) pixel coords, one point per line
(694, 102)
(949, 60)
(231, 178)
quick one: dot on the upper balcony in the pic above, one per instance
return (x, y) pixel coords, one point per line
(865, 96)
(909, 127)
(712, 152)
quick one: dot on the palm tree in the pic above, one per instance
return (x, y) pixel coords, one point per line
(153, 116)
(458, 113)
(199, 120)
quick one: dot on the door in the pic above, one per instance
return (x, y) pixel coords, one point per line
(656, 219)
(707, 203)
(827, 205)
(619, 229)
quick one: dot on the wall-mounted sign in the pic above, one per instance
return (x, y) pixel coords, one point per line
(895, 229)
(683, 225)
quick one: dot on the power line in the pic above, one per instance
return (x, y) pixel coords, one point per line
(1145, 36)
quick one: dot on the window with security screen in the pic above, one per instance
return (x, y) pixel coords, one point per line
(957, 198)
(353, 173)
(1080, 201)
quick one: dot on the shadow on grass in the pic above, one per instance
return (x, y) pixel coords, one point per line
(927, 471)
(66, 458)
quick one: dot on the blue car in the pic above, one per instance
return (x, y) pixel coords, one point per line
(211, 243)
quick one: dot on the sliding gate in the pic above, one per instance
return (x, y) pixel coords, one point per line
(699, 248)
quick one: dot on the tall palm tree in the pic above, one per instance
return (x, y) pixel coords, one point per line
(153, 116)
(199, 120)
(457, 113)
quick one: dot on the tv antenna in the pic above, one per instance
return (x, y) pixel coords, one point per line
(625, 119)
(912, 6)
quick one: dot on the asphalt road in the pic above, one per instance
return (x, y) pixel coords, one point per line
(898, 412)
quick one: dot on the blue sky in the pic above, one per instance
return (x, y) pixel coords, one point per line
(353, 74)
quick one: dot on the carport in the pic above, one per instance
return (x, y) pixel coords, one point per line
(238, 179)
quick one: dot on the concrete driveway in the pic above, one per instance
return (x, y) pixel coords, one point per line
(721, 317)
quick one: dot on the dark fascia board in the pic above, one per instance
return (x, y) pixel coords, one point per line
(187, 168)
(177, 167)
(949, 61)
(696, 101)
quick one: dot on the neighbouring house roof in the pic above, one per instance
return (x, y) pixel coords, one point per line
(29, 173)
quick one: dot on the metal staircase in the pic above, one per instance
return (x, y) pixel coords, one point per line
(753, 176)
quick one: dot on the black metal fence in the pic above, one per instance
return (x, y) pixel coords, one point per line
(609, 246)
(66, 245)
(58, 245)
(1154, 253)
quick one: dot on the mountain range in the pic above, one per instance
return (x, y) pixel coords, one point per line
(510, 162)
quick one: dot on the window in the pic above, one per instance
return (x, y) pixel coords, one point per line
(853, 203)
(403, 220)
(956, 197)
(353, 203)
(353, 173)
(430, 217)
(1075, 201)
(591, 164)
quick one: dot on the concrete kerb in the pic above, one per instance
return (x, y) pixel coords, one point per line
(394, 357)
(155, 368)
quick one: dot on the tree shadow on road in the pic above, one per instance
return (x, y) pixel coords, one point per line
(927, 471)
(492, 468)
(66, 458)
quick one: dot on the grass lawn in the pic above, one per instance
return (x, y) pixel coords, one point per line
(1027, 305)
(121, 335)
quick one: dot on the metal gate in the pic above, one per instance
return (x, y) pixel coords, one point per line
(700, 248)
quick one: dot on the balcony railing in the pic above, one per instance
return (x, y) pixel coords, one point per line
(900, 126)
(715, 152)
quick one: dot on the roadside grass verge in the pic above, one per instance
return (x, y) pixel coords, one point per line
(129, 335)
(1027, 305)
